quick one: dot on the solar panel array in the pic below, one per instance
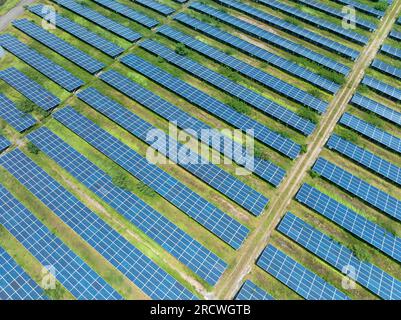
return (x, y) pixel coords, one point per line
(391, 51)
(301, 280)
(358, 187)
(257, 52)
(156, 6)
(230, 186)
(386, 68)
(15, 283)
(271, 38)
(368, 159)
(371, 132)
(291, 28)
(4, 143)
(29, 88)
(174, 240)
(276, 141)
(128, 12)
(340, 257)
(362, 7)
(137, 267)
(396, 35)
(99, 19)
(351, 221)
(241, 92)
(265, 169)
(44, 65)
(382, 88)
(78, 31)
(269, 81)
(19, 120)
(377, 108)
(202, 211)
(73, 273)
(320, 23)
(250, 291)
(60, 46)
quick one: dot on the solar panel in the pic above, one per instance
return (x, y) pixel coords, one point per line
(264, 169)
(128, 12)
(15, 283)
(156, 6)
(202, 211)
(78, 31)
(267, 80)
(359, 188)
(382, 88)
(271, 38)
(186, 249)
(295, 276)
(178, 153)
(391, 51)
(292, 29)
(369, 160)
(99, 19)
(250, 291)
(257, 52)
(276, 141)
(29, 88)
(59, 46)
(340, 257)
(19, 120)
(45, 66)
(362, 7)
(241, 92)
(377, 108)
(150, 278)
(73, 273)
(315, 21)
(4, 143)
(396, 35)
(358, 225)
(371, 132)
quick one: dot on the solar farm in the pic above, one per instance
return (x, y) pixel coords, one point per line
(310, 210)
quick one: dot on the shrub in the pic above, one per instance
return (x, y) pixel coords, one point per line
(181, 49)
(32, 148)
(120, 180)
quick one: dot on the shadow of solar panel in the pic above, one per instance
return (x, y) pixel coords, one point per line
(73, 273)
(143, 272)
(265, 169)
(4, 143)
(19, 120)
(181, 245)
(16, 284)
(340, 257)
(250, 291)
(276, 141)
(202, 211)
(295, 276)
(382, 88)
(156, 6)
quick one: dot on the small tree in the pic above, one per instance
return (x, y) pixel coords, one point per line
(32, 148)
(181, 49)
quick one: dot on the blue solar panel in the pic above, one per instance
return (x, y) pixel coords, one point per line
(320, 23)
(137, 267)
(269, 81)
(362, 7)
(60, 46)
(4, 143)
(156, 6)
(181, 245)
(128, 12)
(369, 160)
(386, 68)
(391, 51)
(45, 66)
(276, 141)
(395, 35)
(250, 291)
(377, 108)
(271, 38)
(351, 221)
(382, 88)
(19, 120)
(293, 29)
(359, 188)
(200, 167)
(257, 52)
(99, 19)
(295, 276)
(265, 169)
(202, 211)
(371, 132)
(78, 31)
(15, 283)
(73, 273)
(236, 90)
(340, 257)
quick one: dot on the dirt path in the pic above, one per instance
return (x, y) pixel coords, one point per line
(255, 244)
(13, 13)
